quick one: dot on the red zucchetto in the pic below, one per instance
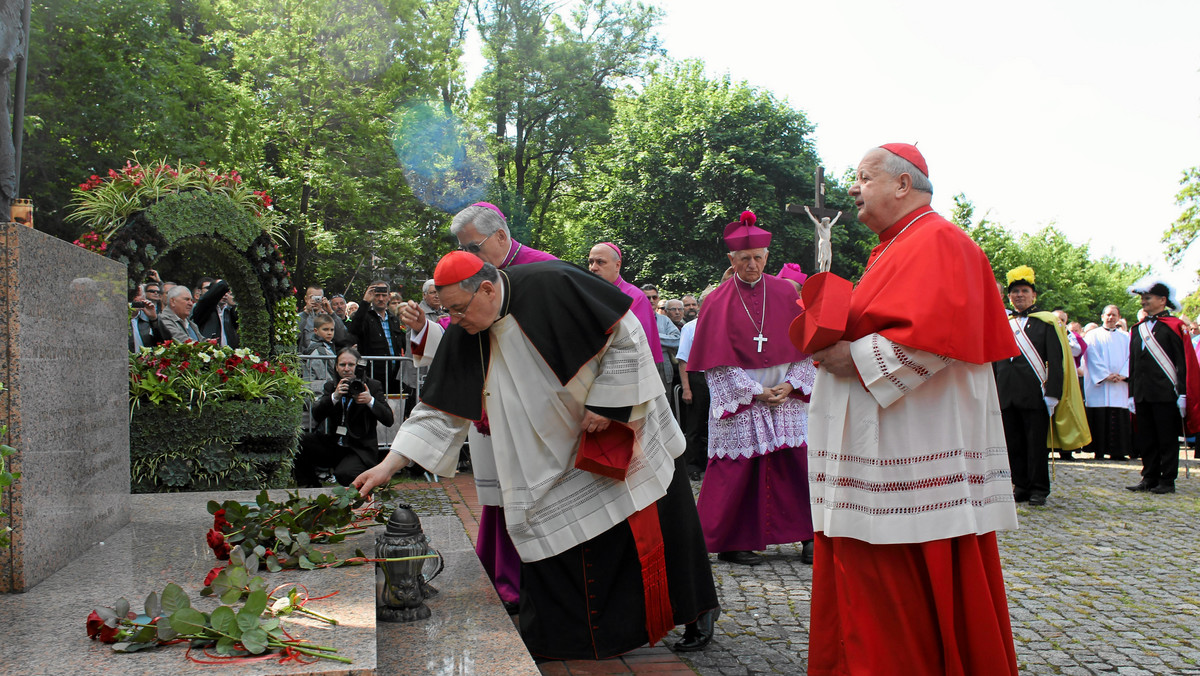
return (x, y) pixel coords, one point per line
(910, 153)
(455, 267)
(743, 234)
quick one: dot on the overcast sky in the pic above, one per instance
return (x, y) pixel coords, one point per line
(1079, 113)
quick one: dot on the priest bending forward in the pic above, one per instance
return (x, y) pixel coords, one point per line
(907, 459)
(612, 555)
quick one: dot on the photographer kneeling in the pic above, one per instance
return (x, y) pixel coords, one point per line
(351, 404)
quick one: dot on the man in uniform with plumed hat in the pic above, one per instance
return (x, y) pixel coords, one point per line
(1030, 385)
(906, 451)
(755, 490)
(585, 448)
(1164, 382)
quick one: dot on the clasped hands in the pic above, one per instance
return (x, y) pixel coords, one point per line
(776, 395)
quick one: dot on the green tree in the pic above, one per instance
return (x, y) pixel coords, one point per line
(109, 79)
(1067, 275)
(546, 94)
(1183, 232)
(687, 155)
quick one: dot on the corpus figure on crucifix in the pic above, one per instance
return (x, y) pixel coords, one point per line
(759, 386)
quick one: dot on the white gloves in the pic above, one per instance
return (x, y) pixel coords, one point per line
(1051, 402)
(1182, 404)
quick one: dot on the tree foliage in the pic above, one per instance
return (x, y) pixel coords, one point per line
(1067, 276)
(1180, 236)
(546, 94)
(687, 155)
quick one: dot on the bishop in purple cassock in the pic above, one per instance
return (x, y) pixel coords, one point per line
(755, 490)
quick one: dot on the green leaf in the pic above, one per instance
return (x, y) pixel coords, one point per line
(232, 596)
(174, 598)
(122, 608)
(188, 620)
(226, 646)
(252, 562)
(213, 506)
(165, 631)
(306, 564)
(273, 565)
(106, 614)
(224, 621)
(255, 640)
(129, 647)
(270, 624)
(237, 577)
(283, 535)
(259, 551)
(256, 603)
(144, 634)
(256, 583)
(152, 606)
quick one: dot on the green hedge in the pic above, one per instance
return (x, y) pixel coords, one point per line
(229, 445)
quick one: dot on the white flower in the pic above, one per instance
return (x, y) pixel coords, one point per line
(205, 357)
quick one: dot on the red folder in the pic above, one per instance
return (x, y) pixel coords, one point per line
(606, 452)
(825, 298)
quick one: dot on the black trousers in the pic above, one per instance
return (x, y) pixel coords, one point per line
(695, 423)
(1158, 428)
(1025, 432)
(323, 450)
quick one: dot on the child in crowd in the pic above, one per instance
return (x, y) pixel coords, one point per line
(321, 346)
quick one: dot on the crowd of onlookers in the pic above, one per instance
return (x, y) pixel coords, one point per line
(171, 311)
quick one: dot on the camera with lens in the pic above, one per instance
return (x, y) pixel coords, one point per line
(139, 304)
(359, 384)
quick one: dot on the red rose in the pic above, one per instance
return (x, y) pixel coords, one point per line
(218, 544)
(212, 575)
(94, 623)
(219, 521)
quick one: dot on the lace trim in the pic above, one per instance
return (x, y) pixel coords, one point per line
(906, 361)
(969, 454)
(881, 364)
(1005, 497)
(913, 485)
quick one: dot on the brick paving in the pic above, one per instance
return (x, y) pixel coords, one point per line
(1100, 581)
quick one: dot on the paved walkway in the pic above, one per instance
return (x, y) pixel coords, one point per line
(1100, 581)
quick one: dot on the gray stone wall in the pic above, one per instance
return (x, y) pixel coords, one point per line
(64, 362)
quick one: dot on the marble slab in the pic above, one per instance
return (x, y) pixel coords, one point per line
(42, 630)
(64, 359)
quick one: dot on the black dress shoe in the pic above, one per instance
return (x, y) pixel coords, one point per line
(698, 634)
(1142, 485)
(511, 607)
(1020, 496)
(742, 557)
(806, 554)
(1037, 500)
(1163, 489)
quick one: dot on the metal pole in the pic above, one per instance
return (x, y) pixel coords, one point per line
(19, 99)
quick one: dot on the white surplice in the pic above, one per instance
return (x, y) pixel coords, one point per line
(549, 506)
(923, 439)
(1107, 353)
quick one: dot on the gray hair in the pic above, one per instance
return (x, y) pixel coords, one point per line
(674, 300)
(488, 273)
(486, 221)
(427, 286)
(896, 165)
(178, 291)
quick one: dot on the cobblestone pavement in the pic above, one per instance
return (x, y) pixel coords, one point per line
(1100, 581)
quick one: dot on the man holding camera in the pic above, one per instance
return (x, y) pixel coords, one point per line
(143, 328)
(380, 333)
(346, 413)
(316, 303)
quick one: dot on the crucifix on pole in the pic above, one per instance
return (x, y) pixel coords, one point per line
(822, 246)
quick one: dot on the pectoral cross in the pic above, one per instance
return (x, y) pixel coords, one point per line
(760, 339)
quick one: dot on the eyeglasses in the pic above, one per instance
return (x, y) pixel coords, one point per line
(648, 297)
(462, 312)
(475, 247)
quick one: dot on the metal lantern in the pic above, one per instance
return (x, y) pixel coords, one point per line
(401, 586)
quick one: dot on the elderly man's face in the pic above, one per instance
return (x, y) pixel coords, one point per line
(432, 299)
(603, 263)
(492, 248)
(874, 192)
(181, 305)
(1153, 303)
(1110, 317)
(474, 311)
(1022, 297)
(339, 306)
(748, 264)
(675, 311)
(690, 307)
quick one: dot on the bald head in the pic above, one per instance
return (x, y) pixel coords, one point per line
(604, 262)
